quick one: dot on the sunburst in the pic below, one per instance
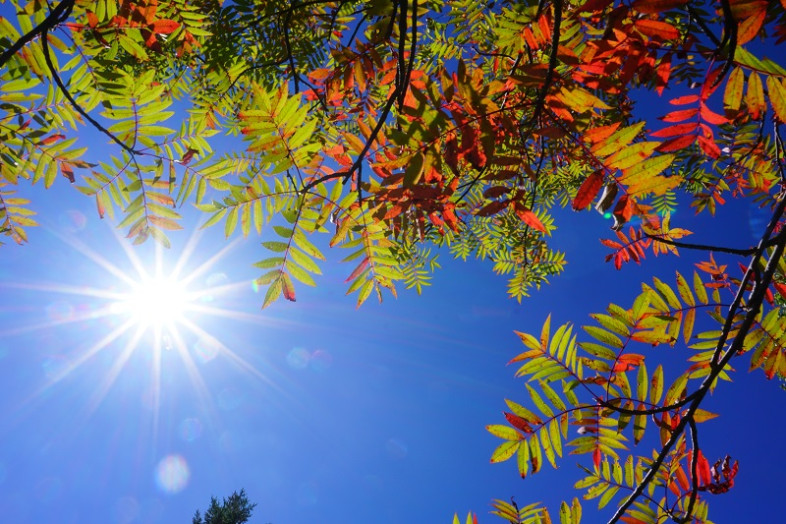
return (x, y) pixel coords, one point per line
(156, 306)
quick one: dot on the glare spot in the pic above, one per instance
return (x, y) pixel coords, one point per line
(217, 280)
(206, 349)
(172, 474)
(607, 215)
(254, 286)
(321, 360)
(72, 221)
(298, 358)
(190, 429)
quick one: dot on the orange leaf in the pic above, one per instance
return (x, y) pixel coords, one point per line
(165, 27)
(657, 29)
(749, 27)
(588, 190)
(529, 218)
(599, 134)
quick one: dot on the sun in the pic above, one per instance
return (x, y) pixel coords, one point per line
(157, 303)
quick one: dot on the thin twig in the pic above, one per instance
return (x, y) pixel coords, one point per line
(67, 94)
(703, 247)
(694, 462)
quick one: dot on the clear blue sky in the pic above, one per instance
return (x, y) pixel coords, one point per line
(325, 414)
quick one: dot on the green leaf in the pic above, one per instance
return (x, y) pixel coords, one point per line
(504, 451)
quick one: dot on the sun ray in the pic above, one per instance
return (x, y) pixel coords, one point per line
(111, 375)
(89, 353)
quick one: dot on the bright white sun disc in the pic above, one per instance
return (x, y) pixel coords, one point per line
(156, 302)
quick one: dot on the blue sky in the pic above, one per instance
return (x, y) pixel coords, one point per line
(321, 411)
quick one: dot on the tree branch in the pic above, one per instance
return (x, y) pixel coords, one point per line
(753, 306)
(56, 16)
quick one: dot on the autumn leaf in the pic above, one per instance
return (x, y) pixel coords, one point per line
(588, 190)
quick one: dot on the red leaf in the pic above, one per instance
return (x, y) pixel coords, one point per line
(711, 117)
(627, 362)
(657, 6)
(678, 129)
(623, 211)
(358, 270)
(67, 171)
(596, 457)
(51, 139)
(165, 27)
(492, 208)
(663, 71)
(680, 115)
(518, 422)
(529, 218)
(677, 143)
(709, 147)
(188, 156)
(780, 288)
(683, 100)
(703, 469)
(588, 190)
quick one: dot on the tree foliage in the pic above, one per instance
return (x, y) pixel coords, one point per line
(403, 128)
(233, 510)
